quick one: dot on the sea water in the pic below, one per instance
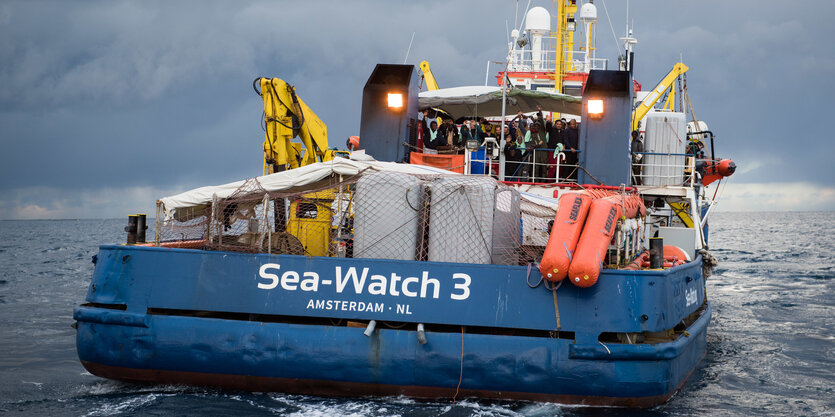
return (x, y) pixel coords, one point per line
(770, 345)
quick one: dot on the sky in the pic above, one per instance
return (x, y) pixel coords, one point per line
(106, 106)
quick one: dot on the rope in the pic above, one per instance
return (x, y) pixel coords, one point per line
(708, 262)
(461, 371)
(528, 277)
(670, 125)
(589, 174)
(615, 37)
(472, 210)
(557, 307)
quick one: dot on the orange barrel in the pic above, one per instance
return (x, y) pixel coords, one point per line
(568, 224)
(597, 233)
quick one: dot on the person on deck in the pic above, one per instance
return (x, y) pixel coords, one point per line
(637, 146)
(447, 138)
(571, 142)
(471, 131)
(521, 121)
(430, 142)
(514, 150)
(423, 129)
(537, 139)
(556, 142)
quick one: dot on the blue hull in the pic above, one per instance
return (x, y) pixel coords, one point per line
(221, 319)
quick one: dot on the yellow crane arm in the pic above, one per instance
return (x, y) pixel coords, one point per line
(431, 84)
(656, 93)
(285, 117)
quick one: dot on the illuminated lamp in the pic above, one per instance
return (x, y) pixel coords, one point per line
(595, 108)
(395, 100)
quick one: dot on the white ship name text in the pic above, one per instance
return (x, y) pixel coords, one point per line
(363, 282)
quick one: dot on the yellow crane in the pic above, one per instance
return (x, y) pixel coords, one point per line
(657, 93)
(307, 226)
(285, 117)
(431, 84)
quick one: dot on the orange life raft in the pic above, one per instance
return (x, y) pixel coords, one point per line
(572, 210)
(584, 256)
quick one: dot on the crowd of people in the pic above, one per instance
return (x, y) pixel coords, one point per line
(533, 143)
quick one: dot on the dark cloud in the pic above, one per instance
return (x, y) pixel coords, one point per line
(158, 94)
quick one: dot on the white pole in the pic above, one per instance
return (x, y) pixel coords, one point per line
(502, 141)
(505, 79)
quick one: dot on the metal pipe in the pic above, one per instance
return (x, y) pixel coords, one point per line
(370, 328)
(656, 252)
(158, 221)
(421, 334)
(502, 140)
(141, 227)
(131, 229)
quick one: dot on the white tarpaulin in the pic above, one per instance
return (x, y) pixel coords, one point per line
(187, 205)
(487, 101)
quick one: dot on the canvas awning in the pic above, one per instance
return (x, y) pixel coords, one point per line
(486, 101)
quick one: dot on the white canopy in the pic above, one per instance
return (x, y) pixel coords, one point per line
(487, 101)
(187, 205)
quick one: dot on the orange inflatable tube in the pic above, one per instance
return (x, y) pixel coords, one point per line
(597, 233)
(568, 225)
(572, 210)
(677, 252)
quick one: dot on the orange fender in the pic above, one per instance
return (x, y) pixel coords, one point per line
(597, 233)
(638, 262)
(677, 252)
(572, 210)
(716, 170)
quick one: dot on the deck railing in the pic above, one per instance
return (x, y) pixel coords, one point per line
(535, 165)
(655, 168)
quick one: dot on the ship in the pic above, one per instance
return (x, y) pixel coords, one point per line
(392, 270)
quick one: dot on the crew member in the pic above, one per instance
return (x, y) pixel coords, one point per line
(637, 146)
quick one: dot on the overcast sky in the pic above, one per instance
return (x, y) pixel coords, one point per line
(106, 106)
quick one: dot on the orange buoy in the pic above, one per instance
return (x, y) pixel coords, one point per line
(716, 170)
(353, 143)
(572, 210)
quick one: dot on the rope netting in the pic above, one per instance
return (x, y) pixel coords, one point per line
(381, 215)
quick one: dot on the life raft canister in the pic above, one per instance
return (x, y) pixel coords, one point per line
(571, 215)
